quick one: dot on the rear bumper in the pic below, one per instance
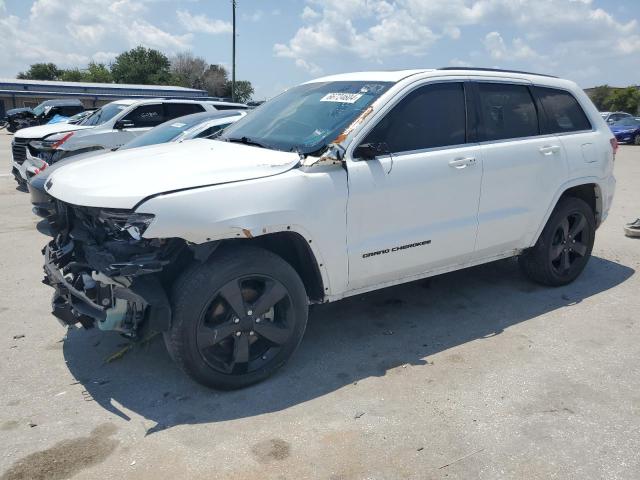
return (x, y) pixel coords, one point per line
(608, 189)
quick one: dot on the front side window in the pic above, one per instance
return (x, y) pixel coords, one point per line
(506, 111)
(562, 111)
(104, 114)
(430, 116)
(146, 116)
(308, 117)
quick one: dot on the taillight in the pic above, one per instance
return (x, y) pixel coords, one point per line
(614, 145)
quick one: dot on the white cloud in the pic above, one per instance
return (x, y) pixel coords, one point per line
(202, 23)
(256, 16)
(71, 34)
(551, 35)
(309, 13)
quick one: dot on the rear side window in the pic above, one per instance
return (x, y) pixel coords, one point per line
(230, 107)
(562, 111)
(174, 110)
(506, 111)
(146, 116)
(430, 116)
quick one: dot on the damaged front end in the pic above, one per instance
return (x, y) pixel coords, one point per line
(105, 274)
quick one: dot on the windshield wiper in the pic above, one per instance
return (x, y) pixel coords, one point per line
(247, 141)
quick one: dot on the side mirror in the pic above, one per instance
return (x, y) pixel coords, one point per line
(369, 151)
(122, 124)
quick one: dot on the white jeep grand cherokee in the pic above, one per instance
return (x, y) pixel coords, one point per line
(338, 186)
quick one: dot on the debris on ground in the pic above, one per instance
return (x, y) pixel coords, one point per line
(358, 415)
(31, 424)
(388, 332)
(16, 337)
(461, 458)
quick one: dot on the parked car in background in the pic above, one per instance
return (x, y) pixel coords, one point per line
(43, 113)
(109, 127)
(612, 117)
(339, 186)
(197, 125)
(627, 130)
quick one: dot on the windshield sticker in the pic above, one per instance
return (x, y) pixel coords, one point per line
(178, 125)
(341, 97)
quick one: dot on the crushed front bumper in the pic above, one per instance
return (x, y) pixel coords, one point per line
(83, 295)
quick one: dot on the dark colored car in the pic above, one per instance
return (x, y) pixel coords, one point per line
(26, 117)
(197, 125)
(627, 130)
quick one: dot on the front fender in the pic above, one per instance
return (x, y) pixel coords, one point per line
(310, 204)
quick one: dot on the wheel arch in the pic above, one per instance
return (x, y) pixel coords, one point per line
(587, 189)
(294, 249)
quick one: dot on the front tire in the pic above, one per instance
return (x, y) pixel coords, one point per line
(237, 318)
(636, 139)
(564, 246)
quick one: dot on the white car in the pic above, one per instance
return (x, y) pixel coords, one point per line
(109, 127)
(336, 187)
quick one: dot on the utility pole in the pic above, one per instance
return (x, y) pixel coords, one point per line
(233, 55)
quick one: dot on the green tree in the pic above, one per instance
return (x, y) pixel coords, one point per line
(41, 71)
(141, 65)
(71, 75)
(214, 81)
(188, 70)
(599, 96)
(98, 73)
(624, 99)
(244, 90)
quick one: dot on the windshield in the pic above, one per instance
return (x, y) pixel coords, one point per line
(306, 118)
(164, 133)
(103, 114)
(39, 110)
(627, 122)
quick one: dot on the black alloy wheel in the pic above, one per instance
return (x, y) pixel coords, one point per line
(237, 318)
(564, 246)
(245, 325)
(569, 244)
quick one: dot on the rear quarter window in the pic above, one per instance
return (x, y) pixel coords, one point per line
(562, 112)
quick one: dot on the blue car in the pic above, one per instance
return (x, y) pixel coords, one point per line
(627, 130)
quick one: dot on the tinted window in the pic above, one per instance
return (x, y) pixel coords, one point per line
(230, 107)
(506, 111)
(430, 116)
(562, 111)
(104, 114)
(146, 116)
(174, 110)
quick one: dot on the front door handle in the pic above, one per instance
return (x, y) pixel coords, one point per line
(462, 162)
(549, 150)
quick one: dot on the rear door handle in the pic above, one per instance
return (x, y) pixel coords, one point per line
(549, 149)
(462, 162)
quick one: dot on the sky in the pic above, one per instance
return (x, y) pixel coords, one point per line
(281, 43)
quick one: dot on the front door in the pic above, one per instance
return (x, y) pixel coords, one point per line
(415, 208)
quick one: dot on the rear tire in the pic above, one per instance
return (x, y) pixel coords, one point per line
(237, 318)
(636, 139)
(564, 246)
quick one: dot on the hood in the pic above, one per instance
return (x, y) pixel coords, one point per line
(623, 128)
(122, 179)
(42, 131)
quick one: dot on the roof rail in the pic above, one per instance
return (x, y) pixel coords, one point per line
(496, 70)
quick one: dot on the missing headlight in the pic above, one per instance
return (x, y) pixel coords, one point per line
(119, 221)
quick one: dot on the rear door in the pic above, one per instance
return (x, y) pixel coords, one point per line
(563, 116)
(175, 110)
(414, 209)
(522, 167)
